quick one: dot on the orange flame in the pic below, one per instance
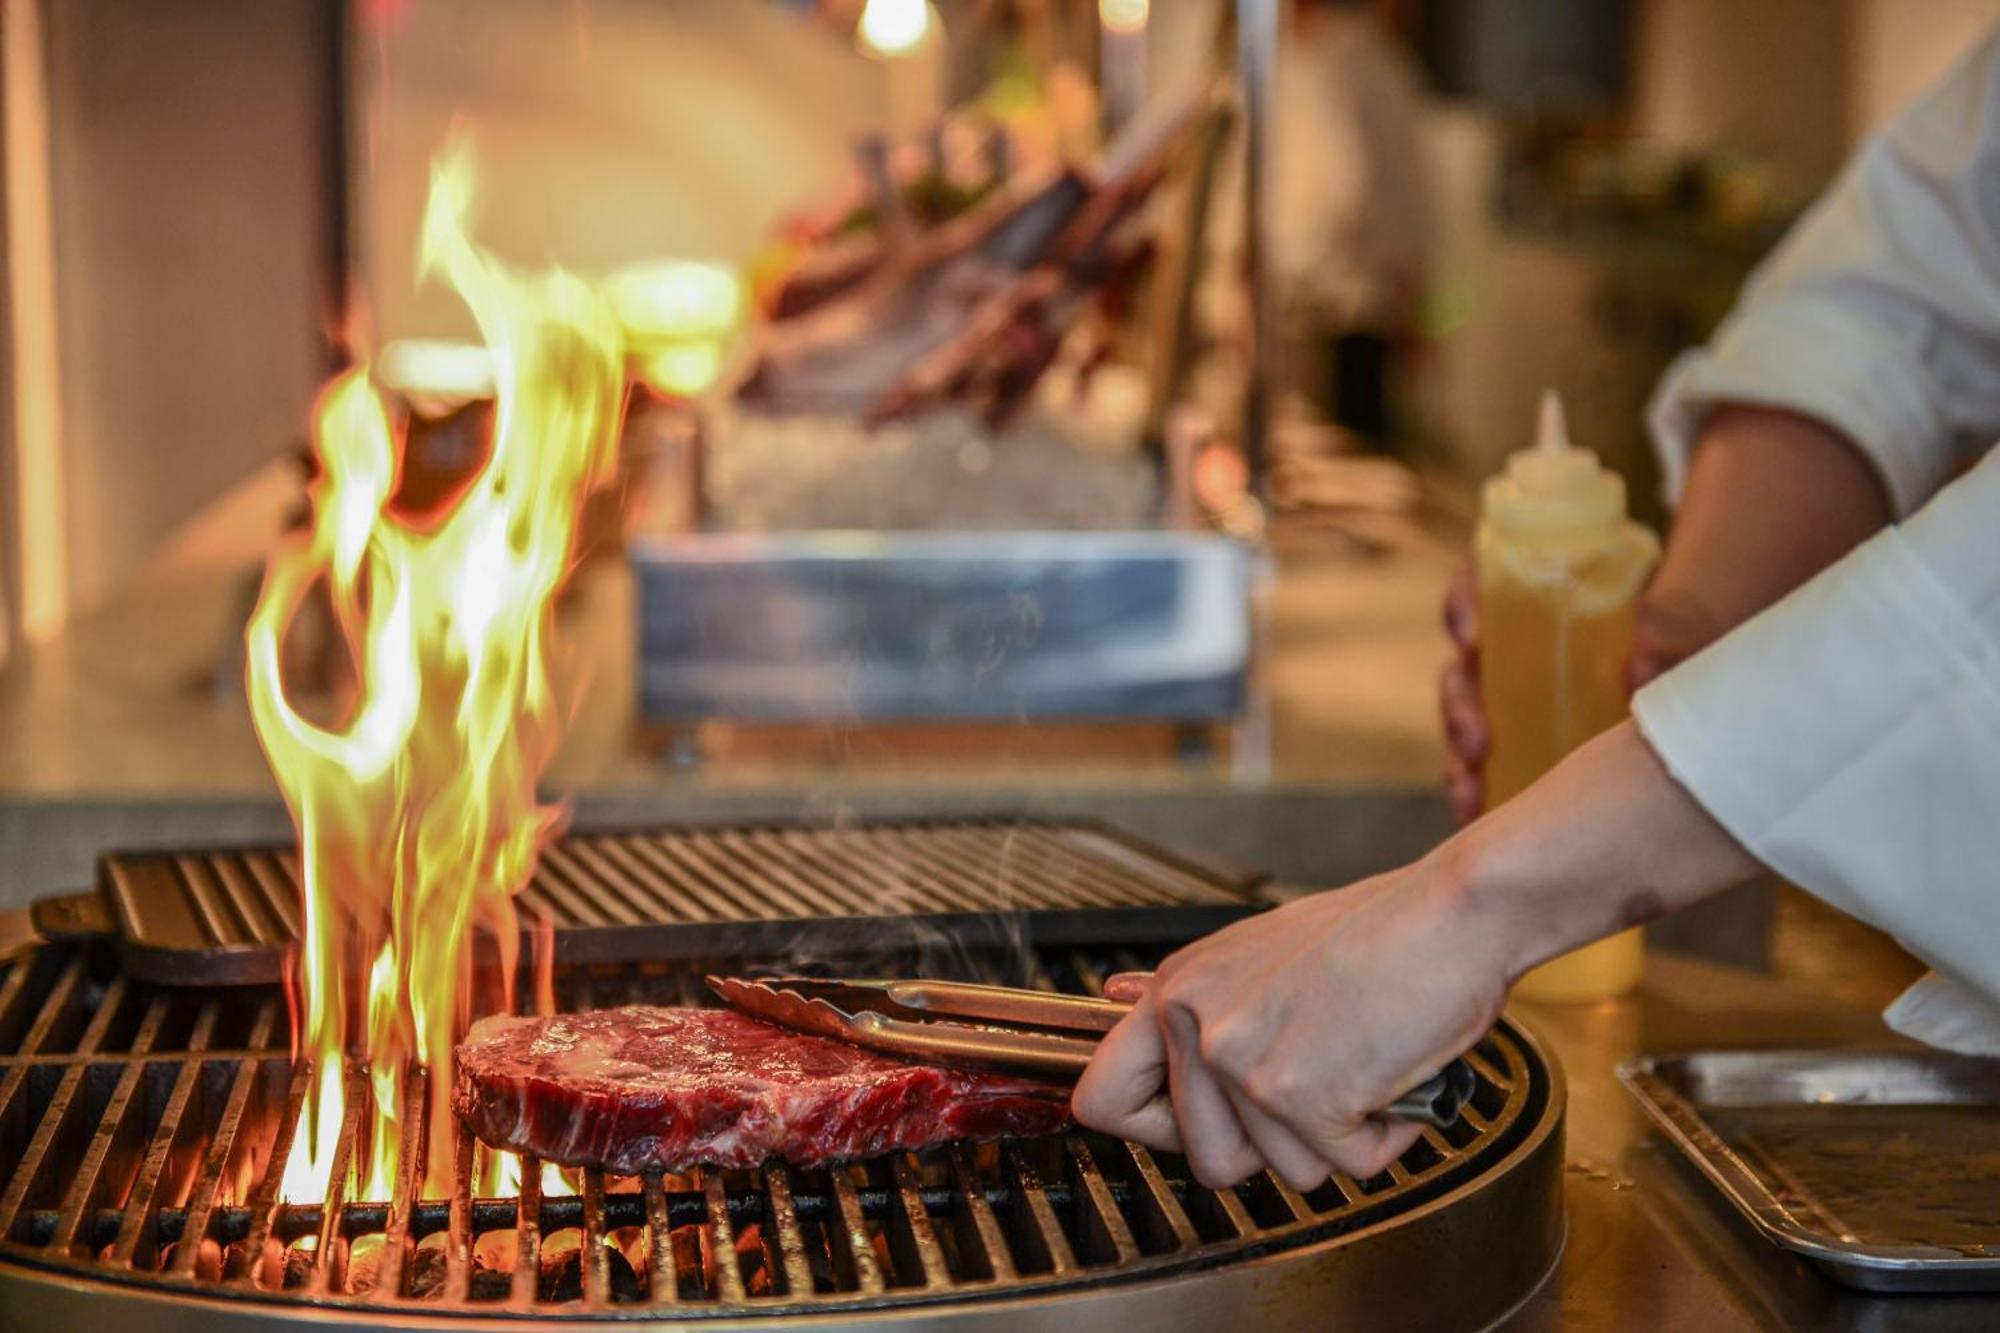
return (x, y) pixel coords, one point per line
(416, 813)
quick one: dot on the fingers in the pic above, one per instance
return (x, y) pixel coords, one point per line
(1127, 987)
(1289, 1155)
(1219, 1151)
(1466, 734)
(1467, 737)
(1149, 1083)
(1461, 608)
(1467, 790)
(1366, 1148)
(1123, 1092)
(1464, 712)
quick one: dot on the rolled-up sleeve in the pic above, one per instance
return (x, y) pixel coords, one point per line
(1880, 313)
(1849, 737)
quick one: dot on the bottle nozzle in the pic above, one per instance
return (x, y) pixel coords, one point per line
(1553, 486)
(1552, 431)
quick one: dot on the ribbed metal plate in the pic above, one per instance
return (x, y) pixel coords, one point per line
(225, 917)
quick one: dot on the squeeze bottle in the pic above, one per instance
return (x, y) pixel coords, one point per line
(1560, 565)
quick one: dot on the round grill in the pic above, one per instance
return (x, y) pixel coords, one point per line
(141, 1141)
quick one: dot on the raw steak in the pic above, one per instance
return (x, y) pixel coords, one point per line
(643, 1087)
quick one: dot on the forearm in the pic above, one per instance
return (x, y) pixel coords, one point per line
(1772, 498)
(1606, 840)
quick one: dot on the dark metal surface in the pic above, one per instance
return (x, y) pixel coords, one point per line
(223, 917)
(134, 1120)
(1876, 1167)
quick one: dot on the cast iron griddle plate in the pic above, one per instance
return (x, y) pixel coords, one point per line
(224, 917)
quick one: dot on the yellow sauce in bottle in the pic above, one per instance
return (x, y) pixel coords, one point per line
(1560, 565)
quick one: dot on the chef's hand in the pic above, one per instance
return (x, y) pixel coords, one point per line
(1772, 498)
(1275, 1042)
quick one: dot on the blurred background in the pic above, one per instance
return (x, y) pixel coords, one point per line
(1170, 536)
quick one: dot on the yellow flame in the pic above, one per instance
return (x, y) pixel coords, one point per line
(501, 1178)
(416, 813)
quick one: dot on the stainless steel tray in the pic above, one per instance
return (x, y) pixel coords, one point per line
(1882, 1170)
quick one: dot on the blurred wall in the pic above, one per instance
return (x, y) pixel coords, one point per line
(1793, 83)
(1761, 77)
(187, 218)
(10, 575)
(607, 132)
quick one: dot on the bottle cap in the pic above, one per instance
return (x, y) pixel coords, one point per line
(1554, 490)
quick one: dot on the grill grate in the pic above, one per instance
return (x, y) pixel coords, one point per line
(224, 917)
(143, 1133)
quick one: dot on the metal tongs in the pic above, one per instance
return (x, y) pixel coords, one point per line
(1037, 1031)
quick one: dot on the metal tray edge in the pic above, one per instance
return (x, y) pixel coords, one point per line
(1912, 1268)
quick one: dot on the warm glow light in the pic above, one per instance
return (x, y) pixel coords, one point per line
(683, 371)
(1124, 15)
(37, 527)
(416, 813)
(894, 27)
(677, 317)
(676, 298)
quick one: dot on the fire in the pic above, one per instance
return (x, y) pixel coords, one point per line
(416, 811)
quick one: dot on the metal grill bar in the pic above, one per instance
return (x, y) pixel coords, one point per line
(259, 1253)
(596, 1262)
(458, 1230)
(61, 1118)
(980, 1237)
(785, 1221)
(215, 1169)
(662, 1273)
(409, 1179)
(853, 1236)
(115, 1124)
(722, 1239)
(528, 1234)
(357, 1102)
(1172, 1228)
(1105, 1229)
(1035, 1224)
(919, 1259)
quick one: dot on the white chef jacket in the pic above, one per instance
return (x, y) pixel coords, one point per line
(1850, 735)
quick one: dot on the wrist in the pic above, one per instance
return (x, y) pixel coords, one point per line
(1485, 887)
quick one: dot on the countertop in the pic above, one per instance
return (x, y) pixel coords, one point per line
(1651, 1245)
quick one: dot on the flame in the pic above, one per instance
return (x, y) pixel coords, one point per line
(416, 812)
